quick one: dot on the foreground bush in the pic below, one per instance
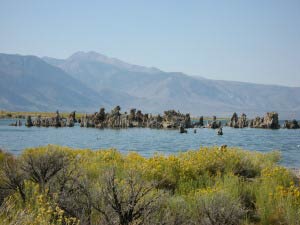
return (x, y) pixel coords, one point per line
(60, 185)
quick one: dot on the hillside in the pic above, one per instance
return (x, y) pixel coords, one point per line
(28, 83)
(87, 81)
(164, 90)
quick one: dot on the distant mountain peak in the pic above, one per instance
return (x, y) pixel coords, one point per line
(91, 55)
(98, 57)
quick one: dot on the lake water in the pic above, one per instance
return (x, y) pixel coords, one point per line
(148, 141)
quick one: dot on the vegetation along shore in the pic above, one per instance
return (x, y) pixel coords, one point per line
(228, 186)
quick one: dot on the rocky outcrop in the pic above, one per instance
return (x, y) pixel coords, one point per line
(37, 122)
(200, 123)
(71, 120)
(214, 124)
(291, 124)
(220, 131)
(173, 119)
(28, 122)
(182, 130)
(269, 121)
(234, 121)
(135, 118)
(242, 121)
(256, 122)
(56, 121)
(238, 122)
(155, 122)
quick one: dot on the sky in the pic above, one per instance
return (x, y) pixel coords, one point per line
(252, 41)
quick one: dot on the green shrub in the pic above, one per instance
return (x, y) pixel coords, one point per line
(219, 209)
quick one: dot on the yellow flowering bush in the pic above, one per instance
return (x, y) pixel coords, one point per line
(258, 189)
(37, 210)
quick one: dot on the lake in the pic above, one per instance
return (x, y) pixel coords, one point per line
(148, 141)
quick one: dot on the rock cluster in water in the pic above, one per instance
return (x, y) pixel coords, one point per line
(214, 124)
(56, 121)
(171, 119)
(238, 122)
(291, 124)
(269, 121)
(135, 118)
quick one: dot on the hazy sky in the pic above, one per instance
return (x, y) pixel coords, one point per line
(253, 41)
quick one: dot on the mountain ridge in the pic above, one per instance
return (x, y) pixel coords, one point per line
(40, 85)
(119, 83)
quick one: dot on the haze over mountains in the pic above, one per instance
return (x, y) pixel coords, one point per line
(87, 80)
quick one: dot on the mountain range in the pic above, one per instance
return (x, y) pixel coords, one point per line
(88, 80)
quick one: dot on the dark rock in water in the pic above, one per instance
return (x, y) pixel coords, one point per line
(220, 131)
(86, 121)
(28, 122)
(102, 115)
(73, 116)
(201, 123)
(182, 130)
(131, 116)
(269, 121)
(57, 122)
(291, 124)
(215, 124)
(234, 121)
(114, 118)
(37, 122)
(46, 122)
(257, 122)
(243, 122)
(69, 123)
(71, 120)
(195, 131)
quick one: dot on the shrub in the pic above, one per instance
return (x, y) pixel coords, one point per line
(219, 209)
(43, 165)
(176, 211)
(128, 200)
(37, 210)
(12, 177)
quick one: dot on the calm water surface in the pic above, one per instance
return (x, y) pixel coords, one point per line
(148, 141)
